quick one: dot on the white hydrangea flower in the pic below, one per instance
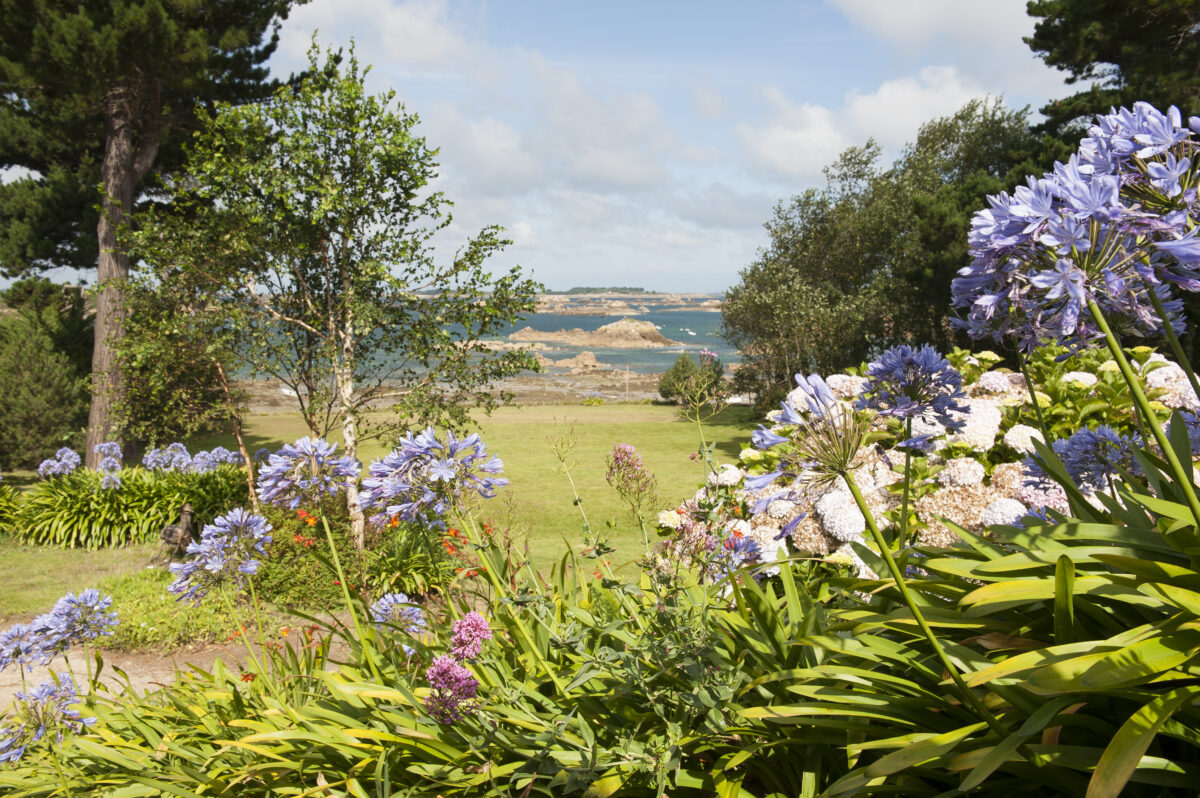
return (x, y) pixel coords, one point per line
(726, 476)
(780, 508)
(739, 528)
(983, 424)
(670, 519)
(961, 471)
(1005, 512)
(1109, 367)
(840, 516)
(1021, 437)
(1173, 381)
(845, 386)
(994, 382)
(1084, 378)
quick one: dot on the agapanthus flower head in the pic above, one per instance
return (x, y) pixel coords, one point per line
(422, 477)
(226, 553)
(304, 471)
(64, 462)
(76, 619)
(1109, 226)
(1093, 458)
(454, 690)
(467, 636)
(174, 458)
(734, 552)
(23, 645)
(47, 711)
(906, 382)
(398, 611)
(109, 449)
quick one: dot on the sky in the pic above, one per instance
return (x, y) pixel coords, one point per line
(646, 143)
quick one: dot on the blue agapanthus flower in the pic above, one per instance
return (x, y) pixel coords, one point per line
(65, 461)
(422, 477)
(23, 645)
(1093, 458)
(398, 611)
(1109, 226)
(304, 471)
(226, 553)
(76, 619)
(735, 552)
(905, 383)
(46, 711)
(173, 458)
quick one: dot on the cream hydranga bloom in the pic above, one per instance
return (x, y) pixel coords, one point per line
(1006, 512)
(1109, 367)
(994, 382)
(1021, 437)
(727, 476)
(1173, 382)
(982, 425)
(670, 519)
(1085, 378)
(840, 516)
(961, 471)
(846, 386)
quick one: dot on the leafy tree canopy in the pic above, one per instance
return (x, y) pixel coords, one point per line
(1149, 50)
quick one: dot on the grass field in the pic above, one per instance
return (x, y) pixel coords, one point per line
(537, 504)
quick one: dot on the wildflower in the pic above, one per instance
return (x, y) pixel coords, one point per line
(225, 553)
(304, 470)
(45, 711)
(627, 475)
(422, 477)
(907, 382)
(454, 690)
(65, 461)
(247, 676)
(467, 636)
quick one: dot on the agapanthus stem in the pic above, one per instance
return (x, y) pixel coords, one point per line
(1173, 340)
(1183, 477)
(1037, 408)
(337, 565)
(902, 539)
(911, 603)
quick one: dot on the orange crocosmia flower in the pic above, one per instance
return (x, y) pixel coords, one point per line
(249, 677)
(310, 521)
(394, 522)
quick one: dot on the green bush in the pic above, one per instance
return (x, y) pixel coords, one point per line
(73, 511)
(687, 377)
(44, 404)
(9, 505)
(291, 575)
(151, 618)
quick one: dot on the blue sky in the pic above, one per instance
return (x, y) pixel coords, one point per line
(645, 144)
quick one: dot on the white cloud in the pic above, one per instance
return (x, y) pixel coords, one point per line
(893, 113)
(797, 143)
(708, 102)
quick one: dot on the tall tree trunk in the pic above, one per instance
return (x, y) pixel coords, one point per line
(117, 178)
(345, 381)
(239, 434)
(132, 116)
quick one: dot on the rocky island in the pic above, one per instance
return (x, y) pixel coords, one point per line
(623, 334)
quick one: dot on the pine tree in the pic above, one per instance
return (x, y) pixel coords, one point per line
(103, 92)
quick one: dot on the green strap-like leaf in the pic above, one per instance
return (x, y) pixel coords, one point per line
(1128, 745)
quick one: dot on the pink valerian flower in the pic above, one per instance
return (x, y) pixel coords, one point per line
(468, 634)
(454, 690)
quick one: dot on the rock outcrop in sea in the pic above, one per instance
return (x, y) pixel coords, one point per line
(623, 334)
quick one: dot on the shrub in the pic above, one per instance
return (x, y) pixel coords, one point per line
(9, 505)
(44, 403)
(687, 376)
(151, 618)
(291, 575)
(74, 511)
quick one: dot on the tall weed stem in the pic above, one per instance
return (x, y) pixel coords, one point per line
(1037, 407)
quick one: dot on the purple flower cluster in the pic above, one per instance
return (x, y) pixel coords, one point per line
(46, 711)
(397, 610)
(304, 471)
(1093, 458)
(110, 464)
(65, 461)
(421, 478)
(1111, 225)
(173, 458)
(467, 636)
(906, 382)
(454, 688)
(225, 552)
(734, 552)
(74, 619)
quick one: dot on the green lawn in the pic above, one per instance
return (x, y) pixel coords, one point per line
(537, 503)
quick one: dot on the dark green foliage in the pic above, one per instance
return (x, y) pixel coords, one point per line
(685, 374)
(1148, 50)
(292, 575)
(60, 62)
(59, 310)
(44, 402)
(866, 262)
(9, 505)
(413, 560)
(75, 512)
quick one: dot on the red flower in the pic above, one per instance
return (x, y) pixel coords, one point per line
(249, 677)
